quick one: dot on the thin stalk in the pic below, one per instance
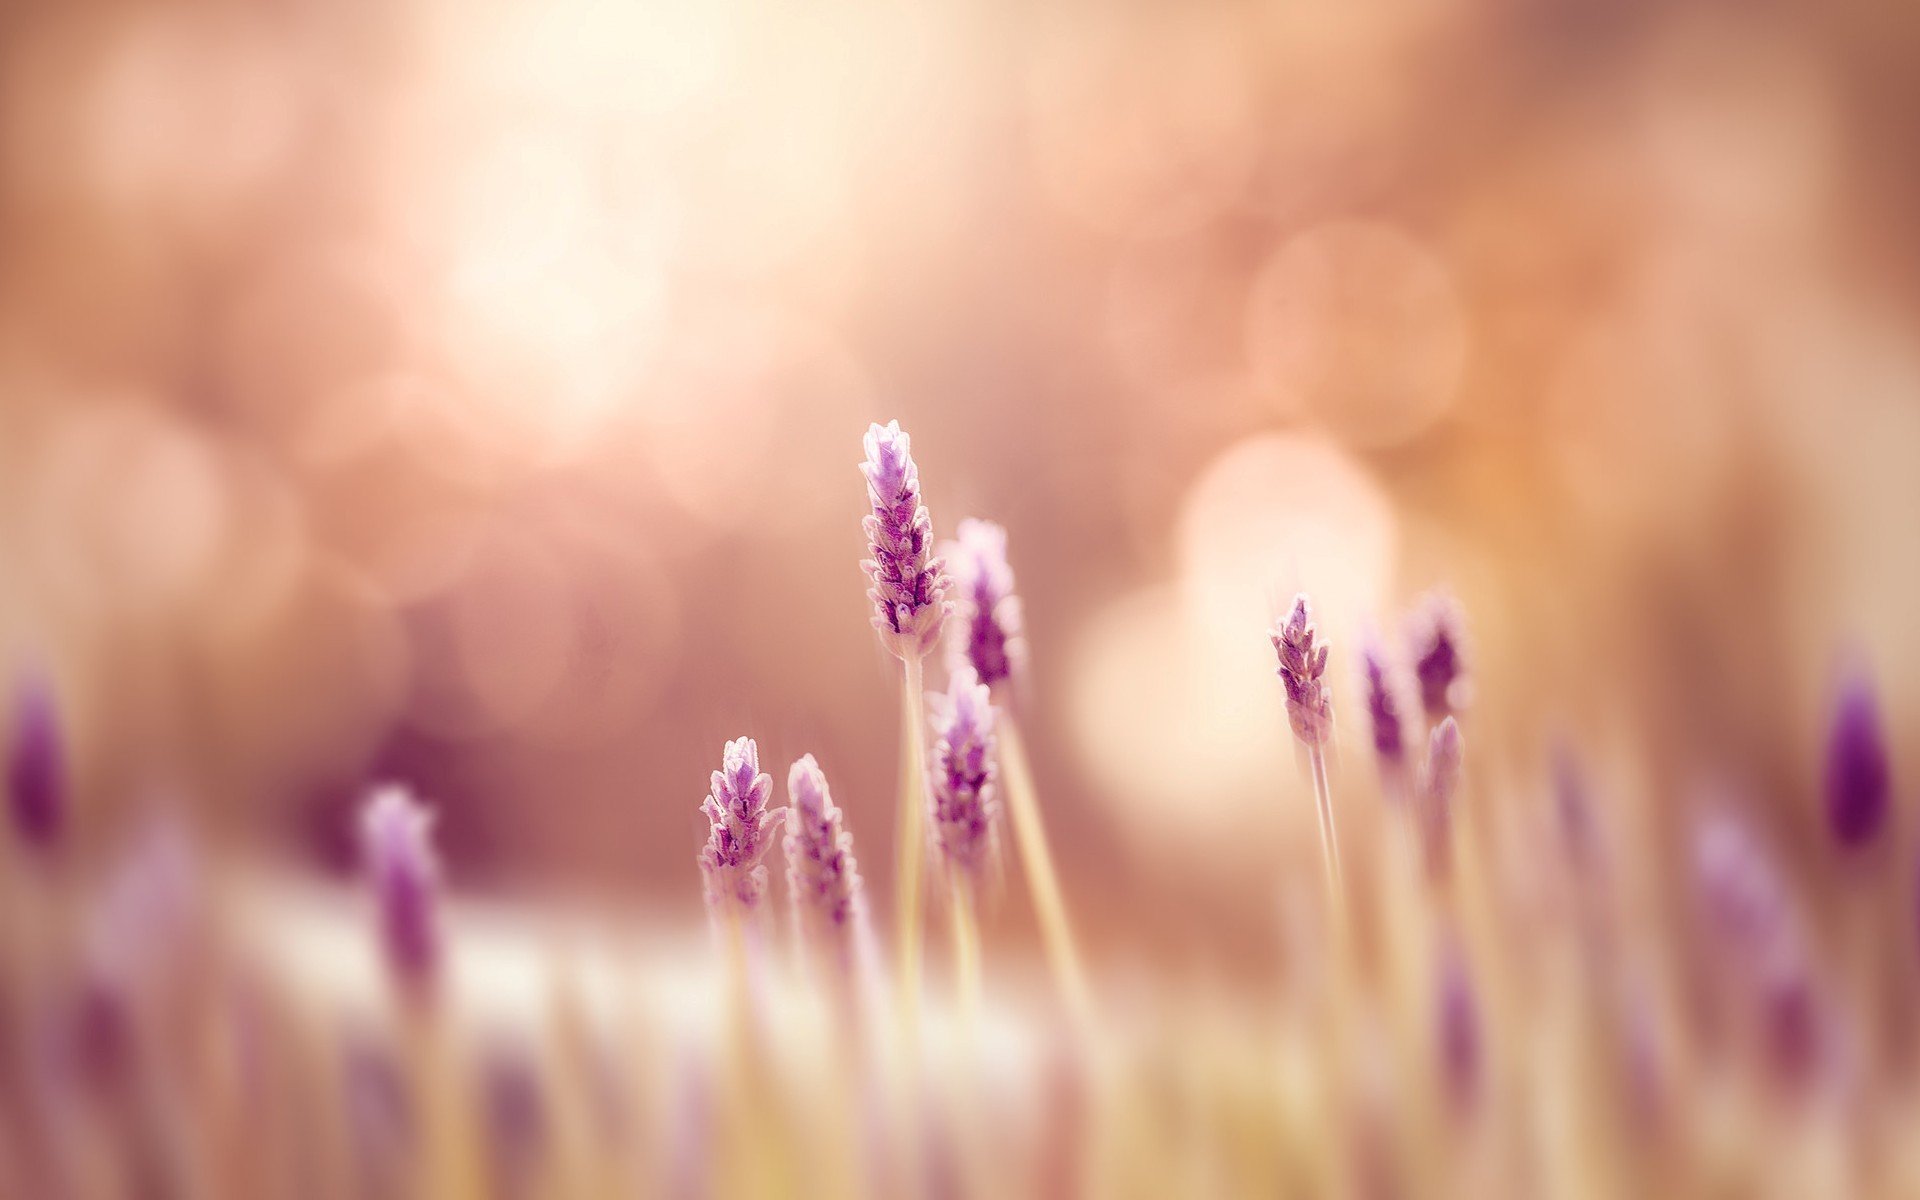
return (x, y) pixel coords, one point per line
(1050, 909)
(966, 954)
(910, 850)
(1323, 808)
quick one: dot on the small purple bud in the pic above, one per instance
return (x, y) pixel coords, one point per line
(397, 851)
(740, 830)
(963, 774)
(909, 585)
(1438, 656)
(989, 638)
(821, 873)
(1303, 668)
(1857, 778)
(37, 766)
(1383, 706)
(1439, 787)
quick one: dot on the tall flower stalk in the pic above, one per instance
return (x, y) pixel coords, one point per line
(988, 638)
(964, 785)
(908, 590)
(1303, 669)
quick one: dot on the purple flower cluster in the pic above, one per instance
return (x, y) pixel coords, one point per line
(740, 830)
(989, 638)
(36, 766)
(821, 872)
(1383, 705)
(1303, 668)
(1857, 783)
(1439, 660)
(397, 851)
(909, 585)
(963, 774)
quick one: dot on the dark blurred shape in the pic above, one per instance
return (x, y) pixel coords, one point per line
(1857, 781)
(36, 765)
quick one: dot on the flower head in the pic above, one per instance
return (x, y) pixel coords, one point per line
(821, 872)
(1303, 668)
(741, 830)
(1438, 656)
(1383, 705)
(397, 852)
(909, 585)
(1857, 780)
(963, 783)
(36, 765)
(989, 638)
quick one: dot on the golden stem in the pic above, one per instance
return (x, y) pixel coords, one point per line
(910, 849)
(1323, 808)
(1050, 909)
(966, 955)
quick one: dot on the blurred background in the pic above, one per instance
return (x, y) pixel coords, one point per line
(469, 395)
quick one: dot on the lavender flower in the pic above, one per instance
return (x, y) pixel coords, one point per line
(990, 638)
(1437, 656)
(1857, 783)
(36, 766)
(821, 872)
(1303, 668)
(397, 849)
(741, 830)
(909, 591)
(963, 778)
(1440, 786)
(1383, 706)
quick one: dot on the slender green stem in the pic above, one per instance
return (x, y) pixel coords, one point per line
(1050, 909)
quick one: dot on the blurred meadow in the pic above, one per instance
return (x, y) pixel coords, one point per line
(468, 398)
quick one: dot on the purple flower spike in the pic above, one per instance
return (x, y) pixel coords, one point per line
(397, 850)
(37, 766)
(965, 805)
(1857, 779)
(821, 872)
(909, 591)
(1303, 668)
(1445, 752)
(1438, 656)
(1383, 706)
(990, 639)
(741, 830)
